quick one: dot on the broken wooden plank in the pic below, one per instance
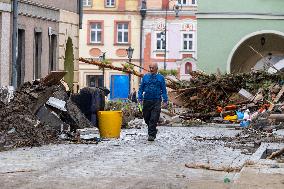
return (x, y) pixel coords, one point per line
(277, 98)
(276, 154)
(53, 78)
(209, 167)
(277, 117)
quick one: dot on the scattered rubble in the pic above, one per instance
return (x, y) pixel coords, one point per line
(136, 124)
(247, 141)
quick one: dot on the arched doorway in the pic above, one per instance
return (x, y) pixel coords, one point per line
(254, 47)
(69, 64)
(188, 68)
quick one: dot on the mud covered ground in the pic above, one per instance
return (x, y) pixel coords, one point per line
(130, 162)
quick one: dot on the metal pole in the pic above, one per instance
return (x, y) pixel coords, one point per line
(15, 43)
(129, 79)
(80, 11)
(165, 40)
(141, 45)
(103, 77)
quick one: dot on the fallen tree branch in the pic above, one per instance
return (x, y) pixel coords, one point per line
(208, 167)
(102, 65)
(276, 154)
(170, 82)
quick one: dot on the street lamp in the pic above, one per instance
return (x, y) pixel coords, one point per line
(102, 58)
(177, 7)
(129, 51)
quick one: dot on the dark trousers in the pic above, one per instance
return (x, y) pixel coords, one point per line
(151, 114)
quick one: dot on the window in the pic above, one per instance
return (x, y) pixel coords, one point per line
(37, 53)
(96, 32)
(109, 3)
(187, 41)
(94, 80)
(160, 41)
(87, 3)
(122, 33)
(187, 2)
(52, 52)
(21, 57)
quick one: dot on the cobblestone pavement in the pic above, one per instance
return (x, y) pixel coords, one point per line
(129, 162)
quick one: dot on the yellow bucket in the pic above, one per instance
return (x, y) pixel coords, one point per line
(110, 123)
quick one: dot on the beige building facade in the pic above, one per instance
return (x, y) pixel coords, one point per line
(5, 40)
(110, 27)
(44, 27)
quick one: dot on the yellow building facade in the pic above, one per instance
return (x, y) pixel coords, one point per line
(110, 27)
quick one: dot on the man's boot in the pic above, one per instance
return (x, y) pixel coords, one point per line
(151, 138)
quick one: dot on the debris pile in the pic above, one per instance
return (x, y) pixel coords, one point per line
(248, 141)
(231, 97)
(19, 126)
(38, 114)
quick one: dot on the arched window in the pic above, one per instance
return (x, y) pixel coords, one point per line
(188, 68)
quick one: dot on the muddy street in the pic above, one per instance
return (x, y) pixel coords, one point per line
(130, 162)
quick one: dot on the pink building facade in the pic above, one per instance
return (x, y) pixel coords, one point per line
(181, 36)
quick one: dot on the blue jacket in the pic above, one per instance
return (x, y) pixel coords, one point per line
(154, 88)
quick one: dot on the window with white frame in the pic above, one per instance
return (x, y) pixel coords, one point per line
(160, 41)
(96, 32)
(109, 3)
(122, 32)
(187, 2)
(87, 3)
(187, 41)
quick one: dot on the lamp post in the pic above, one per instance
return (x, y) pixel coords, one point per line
(177, 7)
(143, 12)
(102, 58)
(129, 51)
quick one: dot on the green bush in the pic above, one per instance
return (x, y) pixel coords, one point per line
(168, 72)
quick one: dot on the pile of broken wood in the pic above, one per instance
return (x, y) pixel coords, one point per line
(26, 120)
(207, 95)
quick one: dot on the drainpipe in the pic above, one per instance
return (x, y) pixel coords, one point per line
(15, 44)
(80, 11)
(143, 11)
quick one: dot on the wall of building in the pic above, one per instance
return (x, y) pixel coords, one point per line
(120, 5)
(68, 27)
(176, 26)
(126, 11)
(68, 5)
(36, 16)
(244, 6)
(109, 35)
(59, 18)
(218, 37)
(29, 24)
(5, 48)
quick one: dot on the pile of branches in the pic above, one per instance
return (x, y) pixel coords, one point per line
(203, 93)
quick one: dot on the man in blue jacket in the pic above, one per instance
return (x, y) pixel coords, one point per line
(152, 91)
